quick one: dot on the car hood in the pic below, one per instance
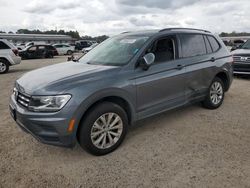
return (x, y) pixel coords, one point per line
(60, 74)
(241, 51)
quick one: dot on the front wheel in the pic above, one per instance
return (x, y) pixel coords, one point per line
(103, 129)
(215, 95)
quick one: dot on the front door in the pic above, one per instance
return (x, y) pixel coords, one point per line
(162, 86)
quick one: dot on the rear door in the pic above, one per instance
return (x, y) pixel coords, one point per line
(198, 59)
(41, 51)
(32, 52)
(59, 49)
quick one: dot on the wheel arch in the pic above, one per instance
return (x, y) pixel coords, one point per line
(5, 59)
(117, 99)
(225, 78)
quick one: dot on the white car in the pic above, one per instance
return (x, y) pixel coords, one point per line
(64, 49)
(8, 56)
(86, 50)
(21, 46)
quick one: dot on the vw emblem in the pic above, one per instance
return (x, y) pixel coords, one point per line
(244, 58)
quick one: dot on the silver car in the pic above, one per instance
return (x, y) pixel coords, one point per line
(128, 77)
(8, 56)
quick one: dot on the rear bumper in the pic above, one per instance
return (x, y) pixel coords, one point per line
(14, 60)
(46, 128)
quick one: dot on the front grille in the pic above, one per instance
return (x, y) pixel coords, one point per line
(23, 99)
(242, 59)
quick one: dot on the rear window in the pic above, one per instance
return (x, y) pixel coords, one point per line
(3, 46)
(50, 47)
(192, 45)
(214, 43)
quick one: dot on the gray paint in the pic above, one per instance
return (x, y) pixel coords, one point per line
(160, 88)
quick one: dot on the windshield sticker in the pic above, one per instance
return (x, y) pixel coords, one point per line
(128, 41)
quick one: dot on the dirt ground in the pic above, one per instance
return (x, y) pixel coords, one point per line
(188, 147)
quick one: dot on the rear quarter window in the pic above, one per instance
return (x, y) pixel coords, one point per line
(209, 48)
(3, 46)
(192, 45)
(214, 43)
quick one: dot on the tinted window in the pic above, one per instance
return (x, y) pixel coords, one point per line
(192, 45)
(214, 44)
(209, 48)
(50, 47)
(164, 50)
(58, 46)
(33, 48)
(3, 46)
(41, 47)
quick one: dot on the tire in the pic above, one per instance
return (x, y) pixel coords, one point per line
(4, 66)
(89, 135)
(215, 95)
(69, 52)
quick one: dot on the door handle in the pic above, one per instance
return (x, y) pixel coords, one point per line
(212, 59)
(179, 67)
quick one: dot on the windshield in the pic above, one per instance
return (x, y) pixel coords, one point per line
(116, 51)
(246, 45)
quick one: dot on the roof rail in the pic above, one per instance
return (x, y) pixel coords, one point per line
(125, 32)
(182, 28)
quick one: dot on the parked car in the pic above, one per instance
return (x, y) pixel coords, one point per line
(242, 59)
(83, 44)
(237, 44)
(64, 49)
(86, 50)
(8, 56)
(21, 46)
(38, 51)
(126, 78)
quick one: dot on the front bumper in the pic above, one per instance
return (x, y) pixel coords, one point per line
(48, 128)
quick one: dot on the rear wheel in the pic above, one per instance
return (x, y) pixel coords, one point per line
(69, 52)
(215, 95)
(103, 129)
(4, 66)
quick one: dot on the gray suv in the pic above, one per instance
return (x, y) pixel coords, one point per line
(128, 77)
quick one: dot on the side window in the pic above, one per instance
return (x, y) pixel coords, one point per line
(3, 46)
(164, 50)
(32, 49)
(192, 45)
(208, 46)
(41, 47)
(214, 43)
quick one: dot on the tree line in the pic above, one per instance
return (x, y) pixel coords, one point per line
(73, 34)
(234, 34)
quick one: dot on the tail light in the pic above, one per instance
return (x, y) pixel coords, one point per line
(232, 59)
(15, 51)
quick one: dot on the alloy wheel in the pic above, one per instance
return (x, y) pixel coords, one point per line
(216, 93)
(3, 67)
(106, 130)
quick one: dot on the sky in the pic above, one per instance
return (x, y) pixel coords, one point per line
(109, 17)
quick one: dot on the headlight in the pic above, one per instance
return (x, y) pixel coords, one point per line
(48, 103)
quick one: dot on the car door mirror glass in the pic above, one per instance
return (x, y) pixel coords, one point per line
(147, 61)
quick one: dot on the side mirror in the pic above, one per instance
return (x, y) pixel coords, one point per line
(147, 61)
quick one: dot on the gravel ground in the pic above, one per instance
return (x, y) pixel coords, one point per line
(188, 147)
